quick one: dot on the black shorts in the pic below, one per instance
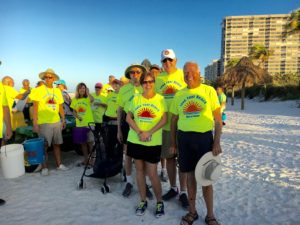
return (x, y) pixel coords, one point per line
(124, 128)
(149, 154)
(192, 146)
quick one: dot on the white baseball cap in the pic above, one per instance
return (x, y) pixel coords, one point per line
(168, 53)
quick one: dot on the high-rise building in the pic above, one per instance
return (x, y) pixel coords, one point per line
(240, 33)
(212, 71)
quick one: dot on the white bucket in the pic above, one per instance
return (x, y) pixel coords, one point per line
(12, 160)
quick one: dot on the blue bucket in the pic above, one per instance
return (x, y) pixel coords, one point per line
(34, 149)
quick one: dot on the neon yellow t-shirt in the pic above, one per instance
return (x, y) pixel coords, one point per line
(48, 100)
(194, 108)
(112, 106)
(147, 113)
(126, 95)
(98, 111)
(11, 94)
(3, 102)
(83, 108)
(167, 85)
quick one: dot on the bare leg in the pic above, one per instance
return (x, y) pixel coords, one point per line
(172, 171)
(84, 148)
(45, 163)
(151, 169)
(208, 197)
(183, 181)
(128, 162)
(140, 178)
(56, 150)
(192, 190)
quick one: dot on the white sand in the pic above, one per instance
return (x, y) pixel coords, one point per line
(260, 183)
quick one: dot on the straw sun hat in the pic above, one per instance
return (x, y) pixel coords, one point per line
(127, 75)
(48, 71)
(208, 169)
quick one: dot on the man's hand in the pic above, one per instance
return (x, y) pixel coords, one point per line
(216, 148)
(35, 128)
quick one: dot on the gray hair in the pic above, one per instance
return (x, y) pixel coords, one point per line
(192, 63)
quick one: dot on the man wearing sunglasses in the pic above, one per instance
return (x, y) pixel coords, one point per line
(125, 96)
(167, 84)
(49, 116)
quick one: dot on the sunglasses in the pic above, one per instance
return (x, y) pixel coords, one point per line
(148, 82)
(98, 87)
(167, 59)
(46, 77)
(135, 72)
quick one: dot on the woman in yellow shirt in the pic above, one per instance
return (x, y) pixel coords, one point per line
(82, 110)
(146, 117)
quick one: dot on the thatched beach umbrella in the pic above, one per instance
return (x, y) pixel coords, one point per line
(245, 74)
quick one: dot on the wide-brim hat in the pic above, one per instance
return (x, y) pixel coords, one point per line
(127, 75)
(49, 71)
(154, 66)
(208, 169)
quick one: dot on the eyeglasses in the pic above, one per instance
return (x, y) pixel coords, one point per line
(167, 59)
(98, 87)
(46, 77)
(135, 71)
(148, 82)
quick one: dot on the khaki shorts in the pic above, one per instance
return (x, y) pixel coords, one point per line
(166, 142)
(52, 132)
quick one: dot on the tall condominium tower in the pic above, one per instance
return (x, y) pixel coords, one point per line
(240, 33)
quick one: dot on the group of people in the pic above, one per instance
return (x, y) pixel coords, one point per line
(162, 115)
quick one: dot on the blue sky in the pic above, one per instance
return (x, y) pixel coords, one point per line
(86, 41)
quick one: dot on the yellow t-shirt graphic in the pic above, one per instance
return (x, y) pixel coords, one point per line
(83, 109)
(167, 85)
(48, 100)
(194, 108)
(147, 113)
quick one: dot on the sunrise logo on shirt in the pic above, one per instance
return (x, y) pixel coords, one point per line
(170, 90)
(81, 110)
(192, 107)
(51, 100)
(146, 113)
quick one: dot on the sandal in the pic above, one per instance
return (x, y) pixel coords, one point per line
(211, 221)
(189, 218)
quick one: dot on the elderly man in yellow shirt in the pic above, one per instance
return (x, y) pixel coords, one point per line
(17, 118)
(49, 116)
(195, 114)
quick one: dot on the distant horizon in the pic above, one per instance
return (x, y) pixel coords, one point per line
(88, 41)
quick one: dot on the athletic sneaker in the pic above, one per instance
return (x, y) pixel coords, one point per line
(148, 192)
(170, 194)
(141, 208)
(45, 172)
(160, 209)
(163, 176)
(2, 202)
(128, 189)
(62, 167)
(184, 200)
